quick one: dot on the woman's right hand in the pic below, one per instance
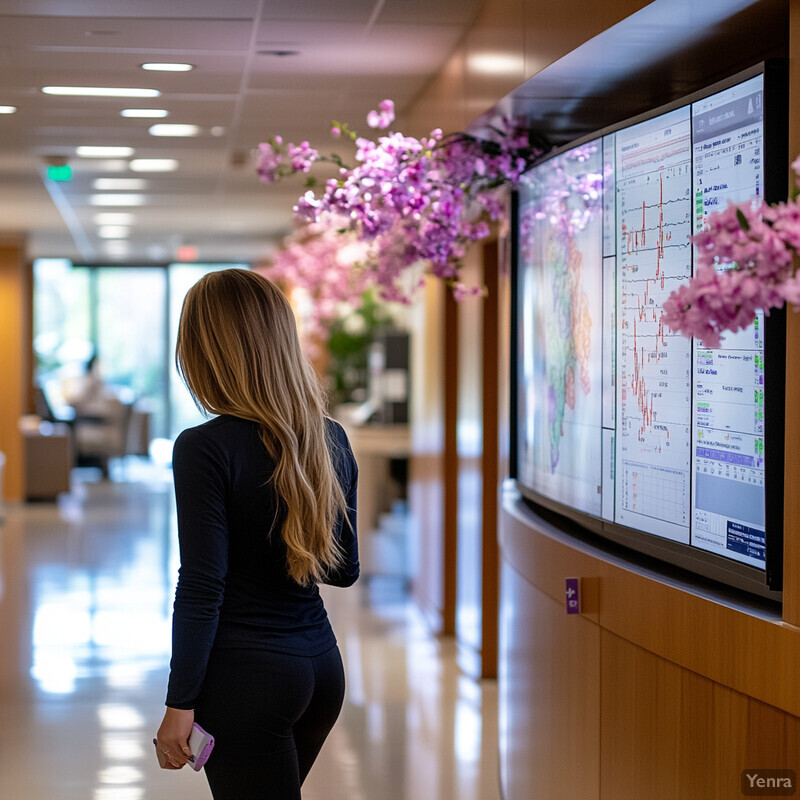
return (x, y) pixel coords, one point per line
(172, 740)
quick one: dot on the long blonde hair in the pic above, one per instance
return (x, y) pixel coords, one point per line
(238, 353)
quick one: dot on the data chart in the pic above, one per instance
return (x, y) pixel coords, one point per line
(657, 493)
(654, 222)
(728, 486)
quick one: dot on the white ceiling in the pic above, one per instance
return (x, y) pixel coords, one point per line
(347, 56)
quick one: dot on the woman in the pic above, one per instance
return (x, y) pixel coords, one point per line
(266, 498)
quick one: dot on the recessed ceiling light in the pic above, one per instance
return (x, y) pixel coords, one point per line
(496, 63)
(168, 66)
(114, 232)
(117, 199)
(119, 184)
(278, 52)
(103, 165)
(172, 129)
(8, 109)
(100, 91)
(153, 165)
(92, 151)
(113, 218)
(144, 113)
(117, 248)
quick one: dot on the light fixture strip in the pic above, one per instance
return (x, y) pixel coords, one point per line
(113, 232)
(167, 66)
(113, 218)
(173, 129)
(117, 199)
(119, 184)
(95, 151)
(153, 165)
(100, 91)
(144, 113)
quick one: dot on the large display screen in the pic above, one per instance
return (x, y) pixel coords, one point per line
(560, 452)
(618, 417)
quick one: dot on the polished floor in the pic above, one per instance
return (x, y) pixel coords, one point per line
(86, 589)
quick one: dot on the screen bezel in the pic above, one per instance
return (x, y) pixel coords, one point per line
(732, 573)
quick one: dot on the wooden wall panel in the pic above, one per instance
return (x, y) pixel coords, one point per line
(494, 55)
(549, 697)
(523, 37)
(692, 690)
(640, 723)
(719, 640)
(771, 738)
(443, 104)
(554, 29)
(15, 349)
(791, 558)
(669, 734)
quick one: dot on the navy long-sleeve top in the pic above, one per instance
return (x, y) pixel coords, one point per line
(233, 586)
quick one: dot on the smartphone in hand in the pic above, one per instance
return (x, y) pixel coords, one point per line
(201, 743)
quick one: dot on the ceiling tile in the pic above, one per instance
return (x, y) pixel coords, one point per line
(425, 12)
(353, 54)
(186, 9)
(345, 49)
(321, 13)
(147, 34)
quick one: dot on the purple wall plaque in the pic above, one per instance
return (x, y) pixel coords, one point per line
(573, 596)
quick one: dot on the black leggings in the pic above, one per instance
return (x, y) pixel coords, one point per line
(269, 714)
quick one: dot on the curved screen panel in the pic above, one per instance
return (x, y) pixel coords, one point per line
(639, 433)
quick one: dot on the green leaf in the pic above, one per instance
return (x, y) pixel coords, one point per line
(743, 223)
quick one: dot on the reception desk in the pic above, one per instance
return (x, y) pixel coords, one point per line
(49, 460)
(656, 689)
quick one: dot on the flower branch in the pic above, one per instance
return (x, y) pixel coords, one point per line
(410, 201)
(745, 263)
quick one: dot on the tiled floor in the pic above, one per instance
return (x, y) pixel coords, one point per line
(85, 596)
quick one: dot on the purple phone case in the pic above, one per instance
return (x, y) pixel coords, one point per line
(206, 746)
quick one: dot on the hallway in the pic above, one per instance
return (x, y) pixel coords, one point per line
(85, 601)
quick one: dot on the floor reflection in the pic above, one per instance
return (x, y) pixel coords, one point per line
(85, 599)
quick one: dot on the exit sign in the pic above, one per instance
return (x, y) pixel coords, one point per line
(62, 173)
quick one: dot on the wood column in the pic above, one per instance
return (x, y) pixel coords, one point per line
(15, 362)
(482, 372)
(432, 489)
(450, 476)
(494, 374)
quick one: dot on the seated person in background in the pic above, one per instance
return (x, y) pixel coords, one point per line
(88, 393)
(101, 418)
